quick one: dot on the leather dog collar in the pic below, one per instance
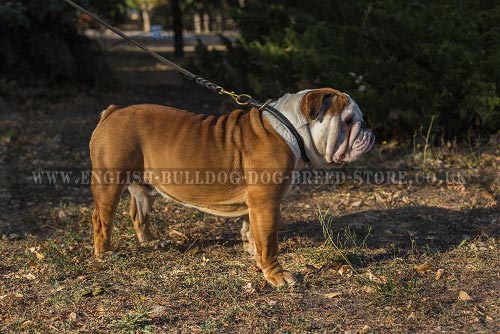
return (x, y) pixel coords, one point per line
(276, 113)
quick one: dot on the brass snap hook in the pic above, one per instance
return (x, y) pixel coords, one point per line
(241, 99)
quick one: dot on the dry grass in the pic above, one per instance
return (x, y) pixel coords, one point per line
(204, 282)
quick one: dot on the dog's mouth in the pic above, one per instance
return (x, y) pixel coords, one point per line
(357, 141)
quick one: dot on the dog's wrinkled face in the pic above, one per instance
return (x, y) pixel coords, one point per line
(336, 125)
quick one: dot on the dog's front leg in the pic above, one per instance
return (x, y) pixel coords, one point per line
(264, 227)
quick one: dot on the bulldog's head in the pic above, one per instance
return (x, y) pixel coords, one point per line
(331, 123)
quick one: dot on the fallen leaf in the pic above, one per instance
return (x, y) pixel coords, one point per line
(249, 288)
(385, 193)
(25, 324)
(462, 295)
(29, 276)
(356, 204)
(423, 268)
(177, 233)
(388, 233)
(367, 289)
(439, 273)
(62, 214)
(39, 256)
(72, 316)
(344, 270)
(331, 295)
(378, 198)
(372, 277)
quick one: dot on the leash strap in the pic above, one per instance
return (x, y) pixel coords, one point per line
(240, 99)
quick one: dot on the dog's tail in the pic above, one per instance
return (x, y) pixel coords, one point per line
(105, 114)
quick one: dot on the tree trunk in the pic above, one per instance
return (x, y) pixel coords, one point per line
(177, 18)
(220, 22)
(206, 23)
(146, 21)
(197, 23)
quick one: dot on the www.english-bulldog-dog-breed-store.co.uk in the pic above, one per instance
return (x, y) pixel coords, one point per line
(153, 138)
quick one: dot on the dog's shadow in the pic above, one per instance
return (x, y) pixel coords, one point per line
(414, 226)
(401, 229)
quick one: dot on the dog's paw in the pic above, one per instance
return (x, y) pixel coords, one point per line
(156, 244)
(280, 279)
(103, 256)
(161, 244)
(110, 255)
(145, 237)
(249, 247)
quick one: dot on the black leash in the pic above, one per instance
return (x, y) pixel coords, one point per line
(240, 99)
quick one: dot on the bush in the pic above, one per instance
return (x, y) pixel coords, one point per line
(41, 47)
(402, 61)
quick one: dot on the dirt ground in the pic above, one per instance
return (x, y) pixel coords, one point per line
(401, 257)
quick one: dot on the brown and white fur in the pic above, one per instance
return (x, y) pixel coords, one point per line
(154, 138)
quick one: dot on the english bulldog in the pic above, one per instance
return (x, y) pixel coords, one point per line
(155, 143)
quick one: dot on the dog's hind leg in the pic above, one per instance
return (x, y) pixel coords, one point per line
(141, 204)
(246, 236)
(106, 200)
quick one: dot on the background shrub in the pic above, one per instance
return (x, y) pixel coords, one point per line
(42, 48)
(403, 61)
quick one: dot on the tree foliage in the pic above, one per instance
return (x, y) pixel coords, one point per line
(41, 46)
(403, 61)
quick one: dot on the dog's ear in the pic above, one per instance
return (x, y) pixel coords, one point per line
(317, 103)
